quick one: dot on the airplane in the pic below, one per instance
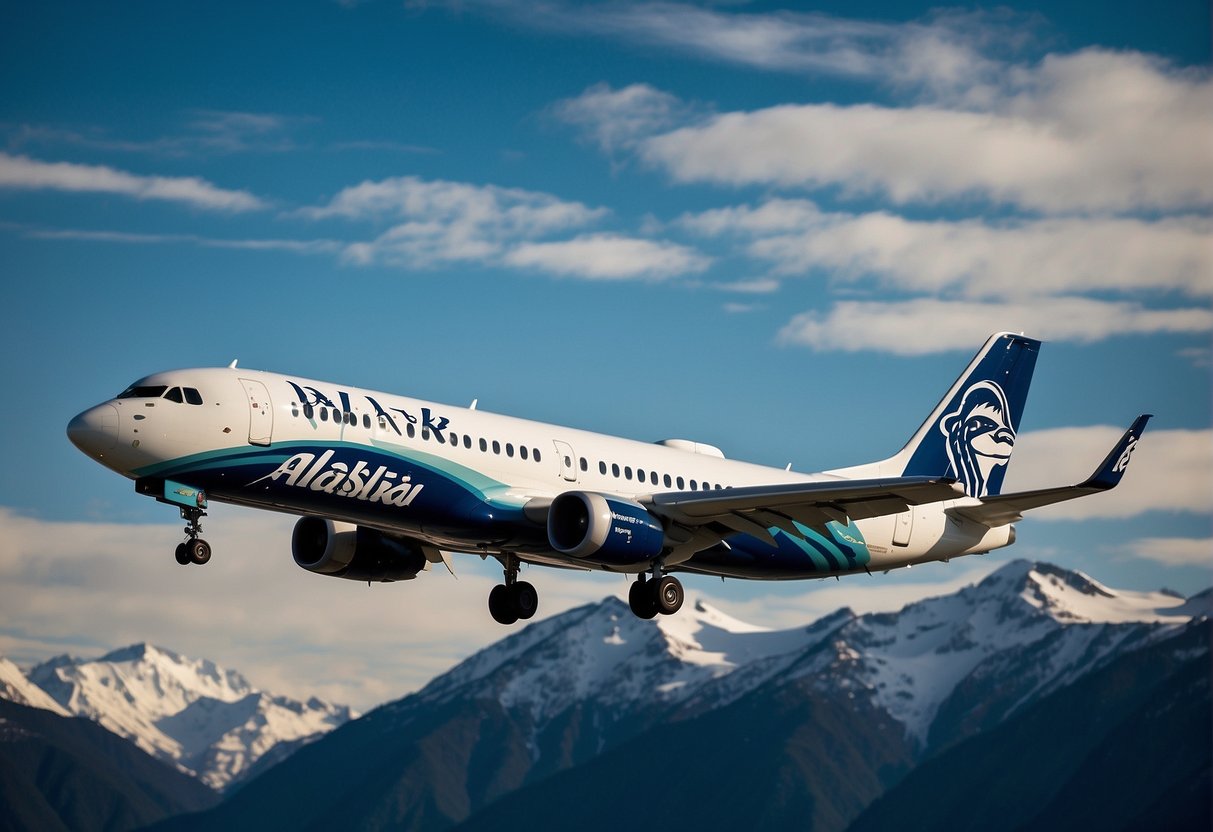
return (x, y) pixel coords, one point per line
(388, 486)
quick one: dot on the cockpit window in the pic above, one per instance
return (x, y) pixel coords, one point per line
(192, 396)
(153, 391)
(174, 395)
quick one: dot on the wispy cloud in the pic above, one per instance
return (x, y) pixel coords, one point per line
(1171, 471)
(973, 258)
(134, 238)
(24, 173)
(608, 257)
(437, 222)
(926, 325)
(1093, 131)
(939, 52)
(1174, 551)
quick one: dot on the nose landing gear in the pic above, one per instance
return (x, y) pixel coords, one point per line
(194, 549)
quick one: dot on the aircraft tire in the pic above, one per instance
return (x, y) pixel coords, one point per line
(183, 554)
(501, 605)
(199, 551)
(526, 600)
(668, 595)
(641, 600)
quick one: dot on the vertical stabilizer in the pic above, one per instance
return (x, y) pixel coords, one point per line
(971, 432)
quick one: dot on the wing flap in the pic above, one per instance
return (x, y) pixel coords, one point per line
(756, 509)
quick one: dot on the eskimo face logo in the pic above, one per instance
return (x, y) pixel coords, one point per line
(979, 436)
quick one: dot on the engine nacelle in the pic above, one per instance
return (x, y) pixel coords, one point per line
(343, 550)
(604, 529)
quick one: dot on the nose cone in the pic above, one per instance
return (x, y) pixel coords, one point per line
(95, 431)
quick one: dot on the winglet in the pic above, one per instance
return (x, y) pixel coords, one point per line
(1108, 474)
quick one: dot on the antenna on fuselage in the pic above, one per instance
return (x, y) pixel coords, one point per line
(232, 366)
(472, 406)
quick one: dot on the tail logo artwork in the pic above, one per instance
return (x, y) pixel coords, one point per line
(979, 437)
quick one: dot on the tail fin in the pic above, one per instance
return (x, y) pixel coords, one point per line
(971, 432)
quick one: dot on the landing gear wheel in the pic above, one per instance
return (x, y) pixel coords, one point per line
(525, 598)
(641, 599)
(183, 554)
(667, 595)
(501, 605)
(199, 550)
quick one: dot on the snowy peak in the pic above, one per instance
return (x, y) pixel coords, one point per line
(208, 721)
(15, 687)
(1072, 597)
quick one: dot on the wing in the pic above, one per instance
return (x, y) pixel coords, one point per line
(1007, 508)
(754, 510)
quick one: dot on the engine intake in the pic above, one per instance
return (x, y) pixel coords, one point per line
(343, 550)
(604, 529)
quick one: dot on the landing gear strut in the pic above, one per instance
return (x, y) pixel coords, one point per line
(194, 549)
(660, 594)
(513, 600)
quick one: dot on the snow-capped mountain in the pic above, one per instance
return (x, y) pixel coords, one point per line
(1059, 624)
(577, 715)
(207, 721)
(16, 688)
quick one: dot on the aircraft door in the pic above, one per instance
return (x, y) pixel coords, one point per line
(568, 465)
(903, 526)
(261, 414)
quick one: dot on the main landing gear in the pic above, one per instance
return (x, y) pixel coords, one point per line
(194, 549)
(659, 594)
(513, 600)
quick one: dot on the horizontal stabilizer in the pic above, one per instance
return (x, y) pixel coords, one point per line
(1007, 508)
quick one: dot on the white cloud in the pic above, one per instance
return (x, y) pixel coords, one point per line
(974, 258)
(938, 52)
(616, 119)
(441, 222)
(1093, 131)
(1174, 551)
(608, 257)
(927, 325)
(24, 173)
(133, 238)
(88, 587)
(1171, 471)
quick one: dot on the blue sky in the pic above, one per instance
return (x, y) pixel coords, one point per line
(779, 230)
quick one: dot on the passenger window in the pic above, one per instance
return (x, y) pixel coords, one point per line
(192, 396)
(640, 475)
(627, 472)
(601, 467)
(308, 412)
(324, 414)
(694, 486)
(509, 449)
(467, 441)
(496, 447)
(585, 466)
(681, 483)
(174, 395)
(425, 434)
(615, 469)
(484, 446)
(366, 421)
(454, 437)
(522, 451)
(410, 430)
(535, 454)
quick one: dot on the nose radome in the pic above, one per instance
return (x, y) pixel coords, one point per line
(95, 430)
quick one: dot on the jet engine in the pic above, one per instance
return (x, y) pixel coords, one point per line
(343, 550)
(604, 529)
